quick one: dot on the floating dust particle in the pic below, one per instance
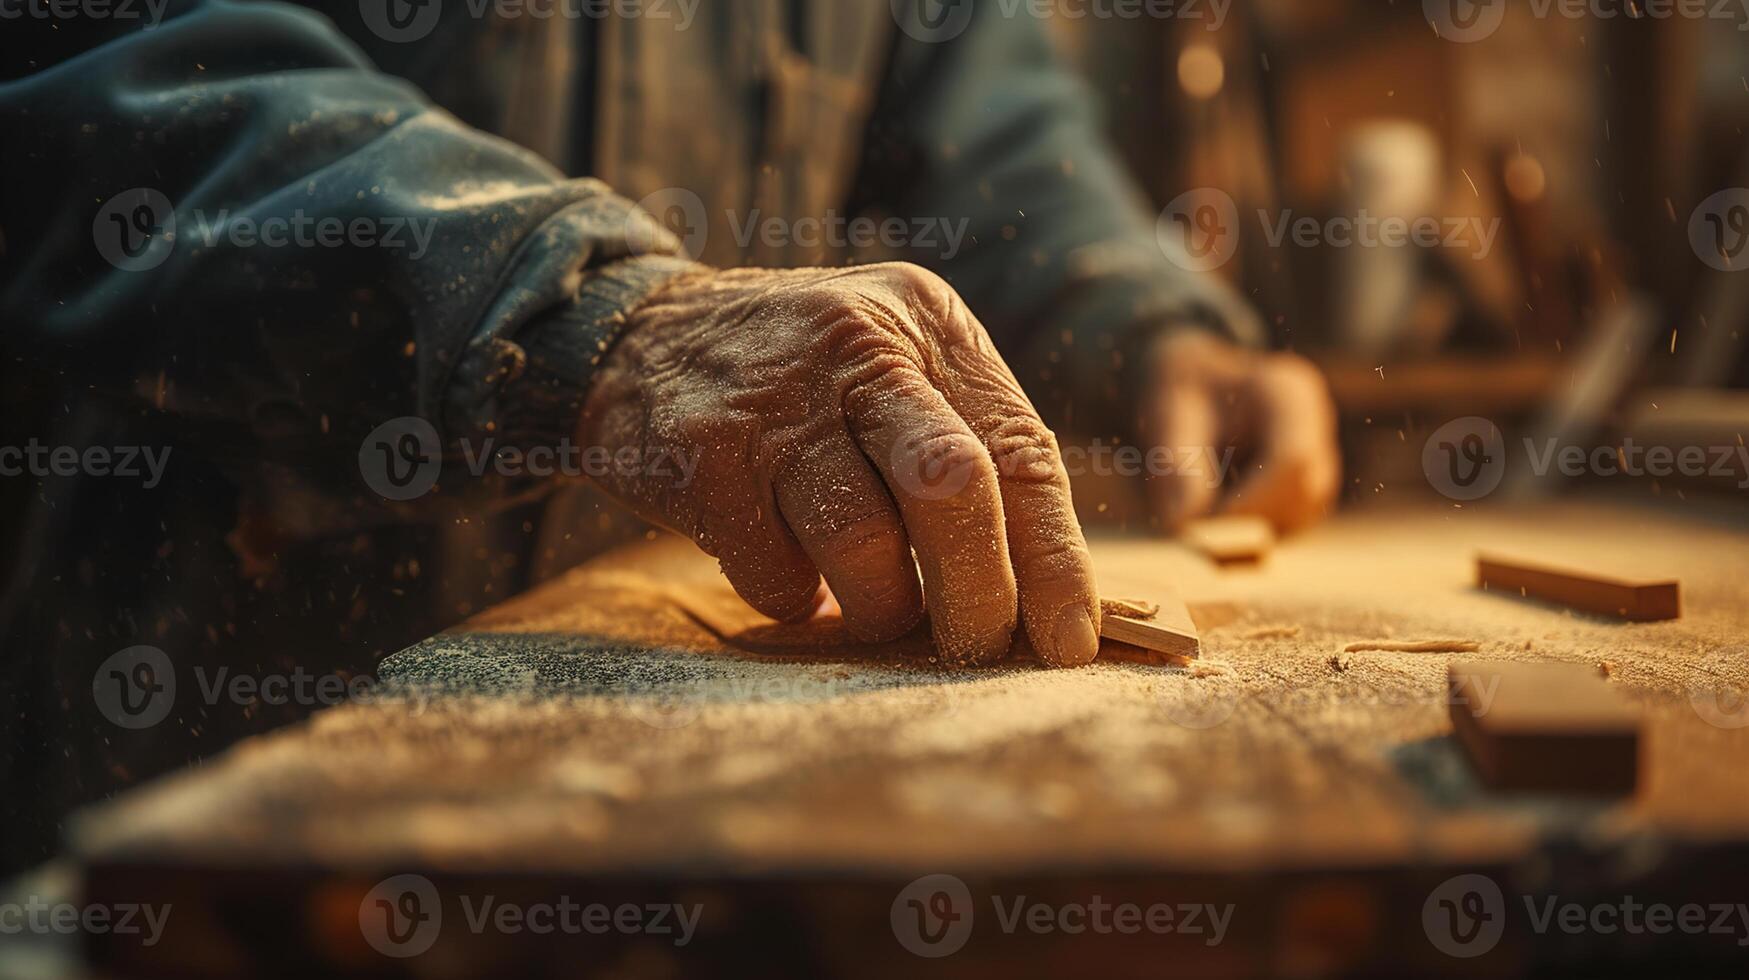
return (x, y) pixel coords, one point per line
(1273, 633)
(1414, 646)
(1129, 608)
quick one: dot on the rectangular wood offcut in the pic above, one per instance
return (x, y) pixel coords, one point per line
(1641, 600)
(1231, 540)
(1545, 727)
(1161, 624)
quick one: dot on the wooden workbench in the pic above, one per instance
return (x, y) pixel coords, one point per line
(593, 738)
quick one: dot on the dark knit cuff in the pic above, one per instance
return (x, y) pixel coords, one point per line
(562, 350)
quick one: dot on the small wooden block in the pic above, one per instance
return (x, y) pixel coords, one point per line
(1169, 631)
(1639, 601)
(1161, 625)
(1549, 727)
(1231, 540)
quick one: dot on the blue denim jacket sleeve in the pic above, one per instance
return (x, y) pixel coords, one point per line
(230, 217)
(1060, 259)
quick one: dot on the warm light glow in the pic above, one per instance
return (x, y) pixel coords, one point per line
(1525, 179)
(1201, 71)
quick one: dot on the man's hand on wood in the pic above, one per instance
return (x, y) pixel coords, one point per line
(842, 420)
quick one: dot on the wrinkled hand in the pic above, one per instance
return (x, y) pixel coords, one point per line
(842, 419)
(1273, 410)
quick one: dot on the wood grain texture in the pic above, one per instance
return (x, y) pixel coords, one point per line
(1169, 631)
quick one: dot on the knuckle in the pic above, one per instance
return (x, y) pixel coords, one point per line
(931, 304)
(871, 541)
(915, 281)
(864, 349)
(880, 375)
(1055, 562)
(1023, 449)
(950, 469)
(954, 452)
(883, 605)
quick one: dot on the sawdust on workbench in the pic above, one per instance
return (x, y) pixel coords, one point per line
(1366, 588)
(1358, 585)
(613, 751)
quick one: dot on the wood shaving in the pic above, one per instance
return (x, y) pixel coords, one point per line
(1416, 646)
(1273, 633)
(1129, 608)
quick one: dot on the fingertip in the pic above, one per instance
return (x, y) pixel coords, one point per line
(1073, 636)
(784, 598)
(972, 647)
(884, 626)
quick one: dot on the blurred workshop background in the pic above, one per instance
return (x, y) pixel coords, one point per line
(1587, 144)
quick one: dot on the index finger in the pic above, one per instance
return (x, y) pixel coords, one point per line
(945, 486)
(1059, 602)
